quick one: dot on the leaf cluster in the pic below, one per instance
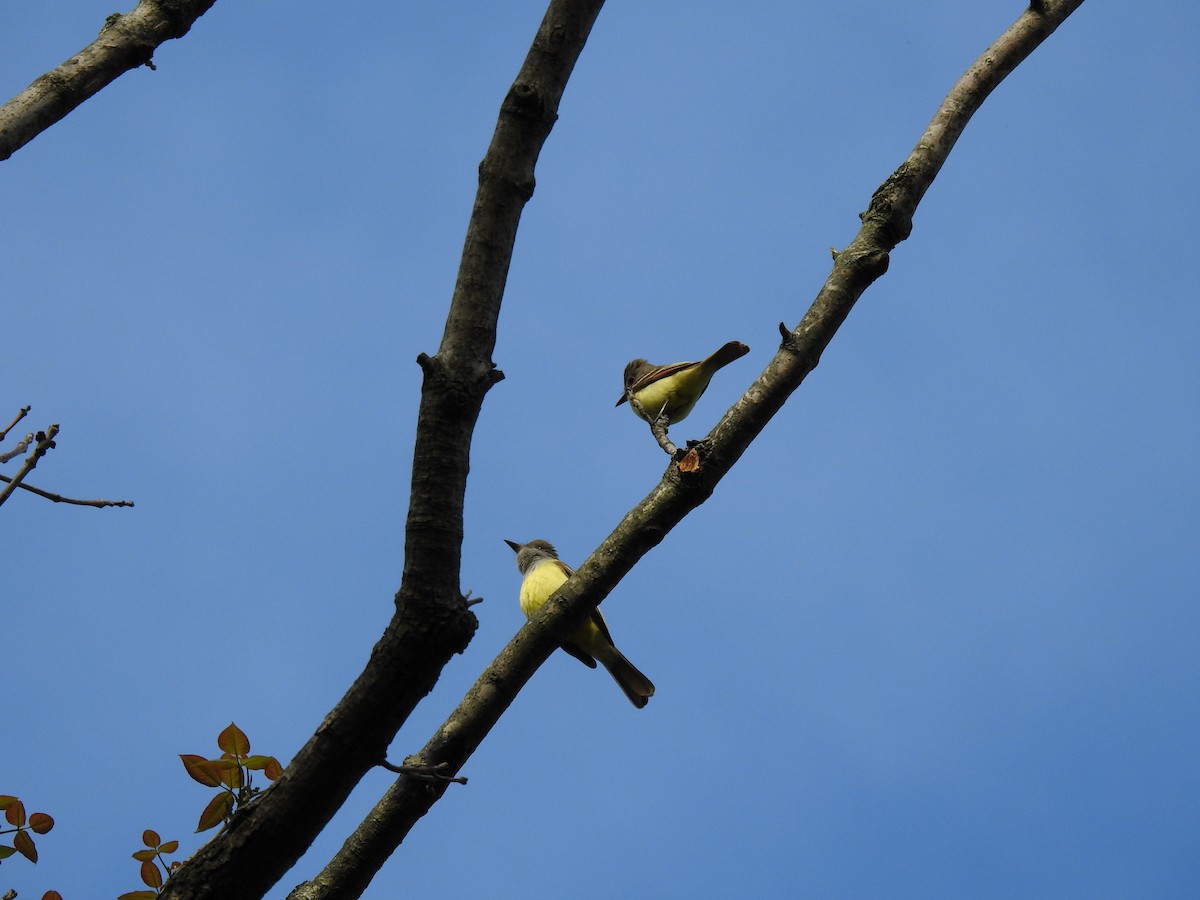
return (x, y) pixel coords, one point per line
(232, 773)
(23, 828)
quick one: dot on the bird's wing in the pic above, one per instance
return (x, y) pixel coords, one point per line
(657, 374)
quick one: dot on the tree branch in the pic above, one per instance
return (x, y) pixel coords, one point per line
(45, 442)
(432, 620)
(21, 413)
(125, 42)
(99, 503)
(886, 223)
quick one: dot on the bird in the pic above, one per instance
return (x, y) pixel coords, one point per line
(543, 574)
(672, 391)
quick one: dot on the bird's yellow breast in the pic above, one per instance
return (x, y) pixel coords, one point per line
(676, 393)
(539, 583)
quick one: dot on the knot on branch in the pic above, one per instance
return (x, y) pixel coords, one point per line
(787, 340)
(524, 99)
(136, 40)
(175, 17)
(522, 187)
(891, 208)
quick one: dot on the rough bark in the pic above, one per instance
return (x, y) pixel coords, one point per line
(125, 42)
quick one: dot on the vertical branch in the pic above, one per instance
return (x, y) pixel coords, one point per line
(432, 620)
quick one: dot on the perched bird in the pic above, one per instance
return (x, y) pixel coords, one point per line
(673, 390)
(544, 573)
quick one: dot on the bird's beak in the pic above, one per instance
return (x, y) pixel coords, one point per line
(516, 547)
(624, 397)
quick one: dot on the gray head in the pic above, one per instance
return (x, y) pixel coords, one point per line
(532, 553)
(635, 370)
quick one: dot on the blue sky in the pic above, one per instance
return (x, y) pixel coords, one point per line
(935, 635)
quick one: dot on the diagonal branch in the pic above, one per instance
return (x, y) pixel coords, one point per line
(432, 620)
(886, 223)
(45, 442)
(125, 42)
(21, 413)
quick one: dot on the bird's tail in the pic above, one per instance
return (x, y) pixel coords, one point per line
(725, 355)
(637, 687)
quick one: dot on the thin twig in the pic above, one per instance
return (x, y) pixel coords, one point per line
(21, 447)
(45, 440)
(658, 426)
(20, 415)
(59, 498)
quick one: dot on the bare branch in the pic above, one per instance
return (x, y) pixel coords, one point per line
(125, 42)
(45, 442)
(21, 413)
(432, 620)
(887, 222)
(658, 426)
(20, 447)
(59, 498)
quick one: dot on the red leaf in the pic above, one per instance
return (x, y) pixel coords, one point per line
(15, 812)
(196, 767)
(138, 895)
(273, 769)
(40, 822)
(233, 740)
(7, 800)
(143, 855)
(169, 847)
(151, 876)
(224, 772)
(150, 837)
(52, 895)
(6, 852)
(24, 845)
(216, 812)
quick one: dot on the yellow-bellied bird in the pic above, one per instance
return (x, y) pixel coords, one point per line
(543, 574)
(673, 390)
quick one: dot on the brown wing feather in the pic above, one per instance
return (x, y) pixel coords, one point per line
(658, 374)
